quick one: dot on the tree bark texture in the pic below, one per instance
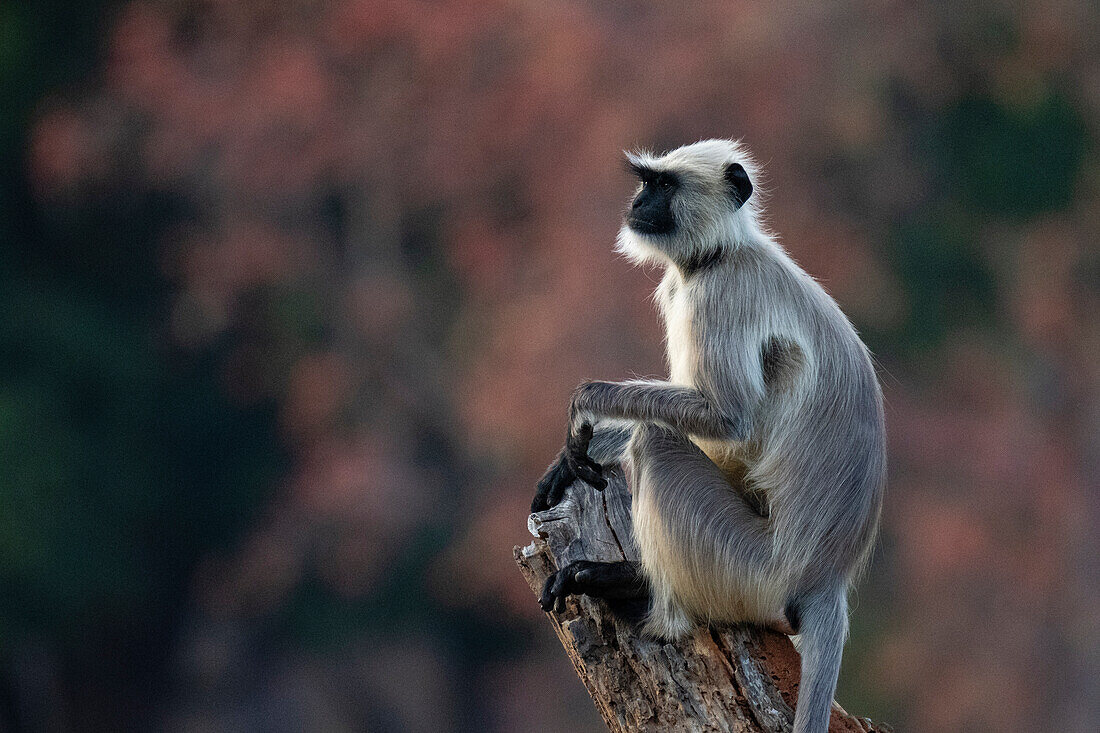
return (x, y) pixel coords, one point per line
(739, 679)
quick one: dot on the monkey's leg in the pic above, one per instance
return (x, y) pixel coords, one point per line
(621, 584)
(705, 551)
(610, 439)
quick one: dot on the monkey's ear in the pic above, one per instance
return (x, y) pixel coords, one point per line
(739, 183)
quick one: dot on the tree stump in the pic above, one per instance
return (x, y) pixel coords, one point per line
(739, 679)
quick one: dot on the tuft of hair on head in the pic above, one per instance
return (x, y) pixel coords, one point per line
(637, 163)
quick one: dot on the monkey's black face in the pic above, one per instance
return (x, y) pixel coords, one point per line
(651, 211)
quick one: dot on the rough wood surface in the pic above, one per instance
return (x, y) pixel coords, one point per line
(741, 679)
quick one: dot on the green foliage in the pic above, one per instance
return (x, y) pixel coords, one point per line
(43, 45)
(124, 462)
(1013, 161)
(948, 283)
(995, 164)
(120, 468)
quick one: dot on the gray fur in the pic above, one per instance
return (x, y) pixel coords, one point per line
(770, 385)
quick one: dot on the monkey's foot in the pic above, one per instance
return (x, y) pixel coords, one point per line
(614, 581)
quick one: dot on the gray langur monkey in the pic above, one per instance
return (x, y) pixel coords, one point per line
(757, 469)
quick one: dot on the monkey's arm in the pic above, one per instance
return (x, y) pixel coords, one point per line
(684, 408)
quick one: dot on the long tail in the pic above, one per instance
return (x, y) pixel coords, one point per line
(823, 629)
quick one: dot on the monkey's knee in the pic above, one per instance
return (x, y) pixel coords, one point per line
(650, 439)
(609, 443)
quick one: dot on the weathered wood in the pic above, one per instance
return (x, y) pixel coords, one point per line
(738, 680)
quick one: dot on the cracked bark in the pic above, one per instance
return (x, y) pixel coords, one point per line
(740, 679)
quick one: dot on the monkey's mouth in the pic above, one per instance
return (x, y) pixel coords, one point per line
(647, 226)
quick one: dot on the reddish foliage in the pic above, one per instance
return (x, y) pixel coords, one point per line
(436, 185)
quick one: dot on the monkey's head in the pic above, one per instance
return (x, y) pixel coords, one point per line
(690, 204)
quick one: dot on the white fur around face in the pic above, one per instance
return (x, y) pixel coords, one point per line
(705, 213)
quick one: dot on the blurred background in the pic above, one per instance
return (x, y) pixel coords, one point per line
(292, 296)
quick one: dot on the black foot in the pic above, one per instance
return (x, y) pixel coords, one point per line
(631, 611)
(615, 581)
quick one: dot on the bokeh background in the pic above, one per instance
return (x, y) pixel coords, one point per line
(292, 296)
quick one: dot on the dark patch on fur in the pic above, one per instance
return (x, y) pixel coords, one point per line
(700, 262)
(794, 615)
(758, 501)
(780, 359)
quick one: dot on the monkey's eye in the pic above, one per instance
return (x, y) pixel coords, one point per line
(665, 183)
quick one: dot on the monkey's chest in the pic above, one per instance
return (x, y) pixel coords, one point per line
(680, 343)
(683, 363)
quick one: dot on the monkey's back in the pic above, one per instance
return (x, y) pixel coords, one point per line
(816, 448)
(822, 452)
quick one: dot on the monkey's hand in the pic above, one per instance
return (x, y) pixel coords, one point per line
(572, 463)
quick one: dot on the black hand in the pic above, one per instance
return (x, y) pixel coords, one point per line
(552, 485)
(572, 463)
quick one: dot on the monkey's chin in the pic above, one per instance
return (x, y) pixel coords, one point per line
(638, 247)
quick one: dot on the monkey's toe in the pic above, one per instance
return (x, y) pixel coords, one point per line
(562, 584)
(546, 598)
(555, 589)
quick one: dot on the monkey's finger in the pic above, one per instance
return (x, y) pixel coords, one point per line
(601, 482)
(539, 503)
(560, 588)
(547, 494)
(546, 598)
(544, 497)
(557, 490)
(562, 477)
(590, 475)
